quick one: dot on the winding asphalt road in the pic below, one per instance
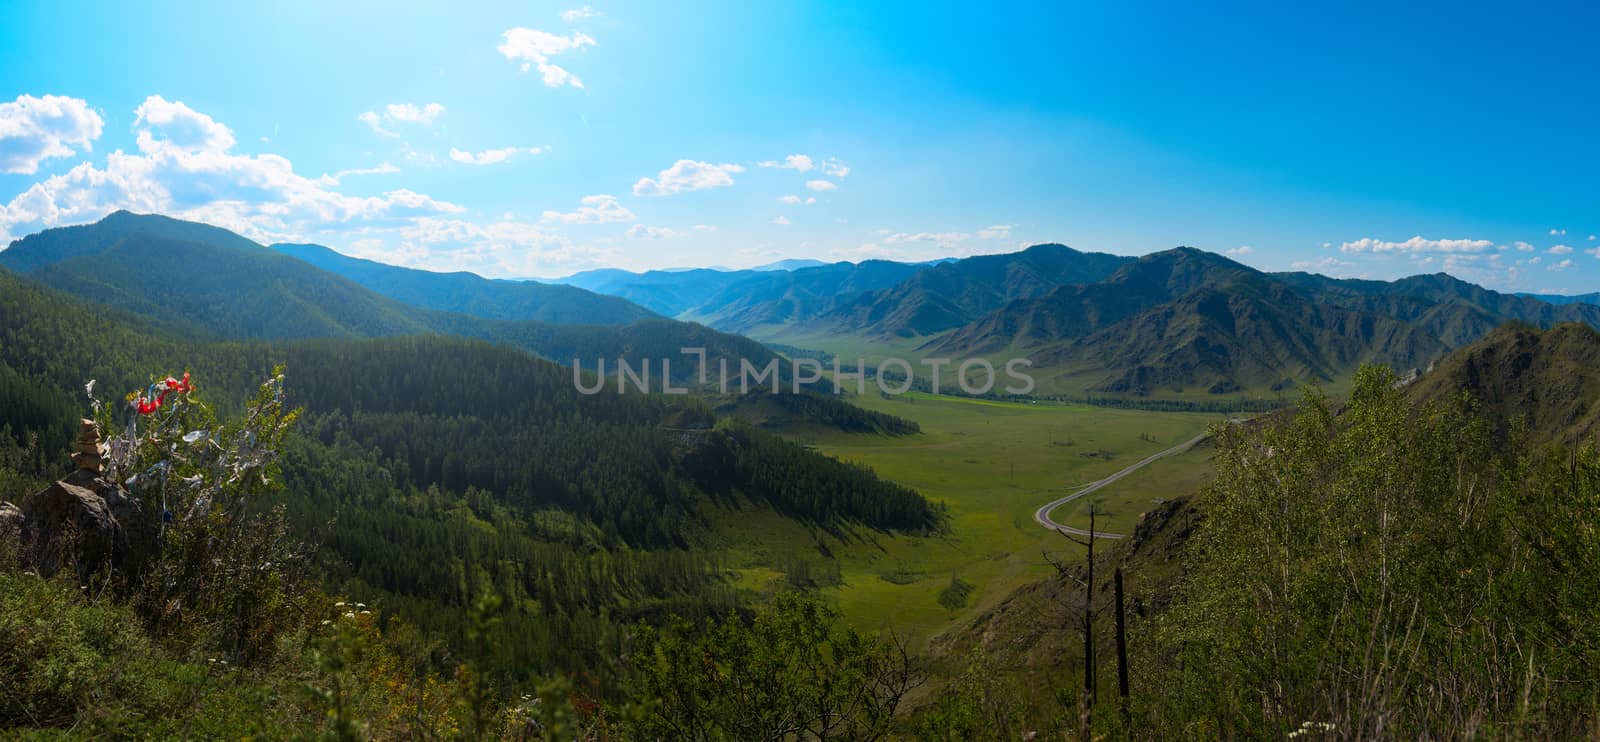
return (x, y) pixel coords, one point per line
(1042, 515)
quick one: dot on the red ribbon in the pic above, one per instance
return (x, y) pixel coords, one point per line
(152, 399)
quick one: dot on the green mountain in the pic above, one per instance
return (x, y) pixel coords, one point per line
(1547, 381)
(63, 243)
(1456, 311)
(952, 294)
(203, 278)
(210, 283)
(471, 294)
(1186, 319)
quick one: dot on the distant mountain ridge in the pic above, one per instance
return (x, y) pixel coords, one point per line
(951, 294)
(1590, 298)
(873, 298)
(1186, 318)
(469, 293)
(1179, 321)
(798, 296)
(729, 300)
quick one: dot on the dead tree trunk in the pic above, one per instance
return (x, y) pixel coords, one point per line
(1087, 700)
(1088, 618)
(1122, 658)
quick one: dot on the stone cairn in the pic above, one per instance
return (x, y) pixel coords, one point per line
(88, 453)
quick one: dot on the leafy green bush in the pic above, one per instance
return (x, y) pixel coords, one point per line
(791, 672)
(1388, 571)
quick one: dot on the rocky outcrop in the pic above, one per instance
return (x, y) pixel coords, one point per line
(84, 521)
(67, 525)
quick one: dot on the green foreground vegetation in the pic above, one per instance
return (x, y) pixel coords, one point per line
(1397, 569)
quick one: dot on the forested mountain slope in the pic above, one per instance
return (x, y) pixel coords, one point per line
(205, 282)
(1545, 382)
(449, 467)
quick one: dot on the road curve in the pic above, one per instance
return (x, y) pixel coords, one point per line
(1042, 515)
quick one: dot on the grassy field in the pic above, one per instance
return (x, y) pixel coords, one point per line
(993, 463)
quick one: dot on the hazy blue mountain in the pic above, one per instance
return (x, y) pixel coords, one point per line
(736, 301)
(790, 264)
(669, 293)
(1592, 298)
(469, 293)
(765, 298)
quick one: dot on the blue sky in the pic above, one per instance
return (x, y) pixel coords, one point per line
(1363, 141)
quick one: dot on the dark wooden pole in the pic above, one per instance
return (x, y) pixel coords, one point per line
(1088, 633)
(1122, 657)
(1088, 618)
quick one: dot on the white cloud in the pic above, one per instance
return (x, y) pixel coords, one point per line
(641, 232)
(945, 240)
(704, 228)
(797, 163)
(403, 113)
(910, 246)
(821, 185)
(36, 129)
(780, 220)
(1521, 246)
(373, 120)
(685, 176)
(996, 232)
(1560, 250)
(1416, 245)
(578, 14)
(1558, 233)
(789, 199)
(173, 126)
(831, 166)
(1595, 251)
(535, 48)
(412, 113)
(503, 248)
(600, 208)
(1592, 238)
(1535, 260)
(1561, 266)
(186, 168)
(1240, 250)
(489, 156)
(1328, 263)
(381, 169)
